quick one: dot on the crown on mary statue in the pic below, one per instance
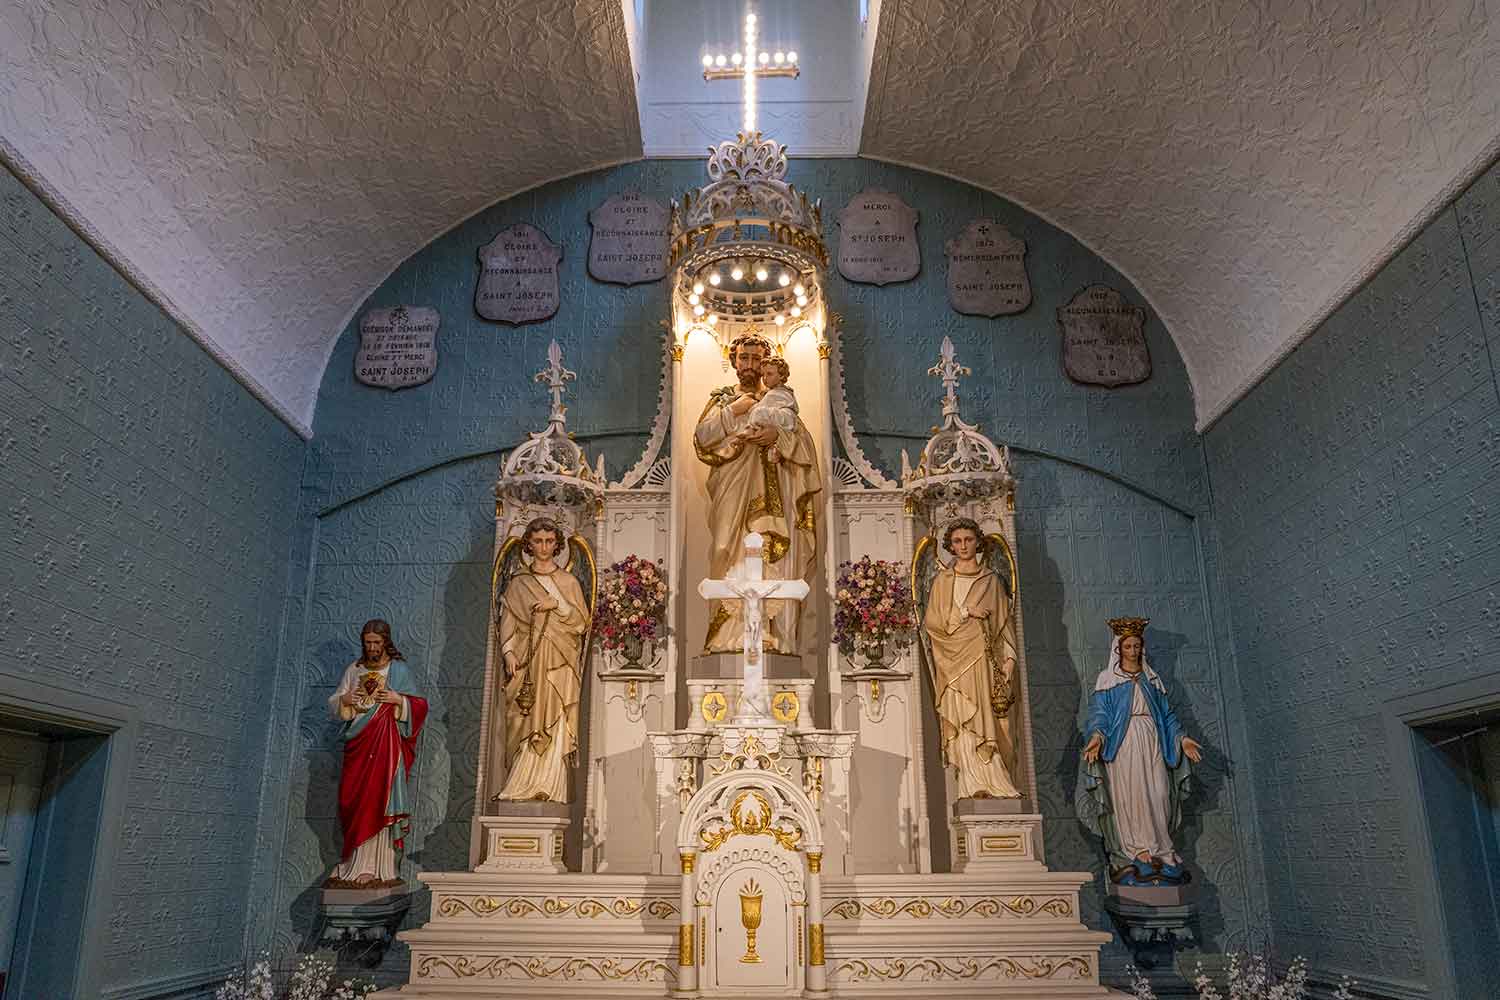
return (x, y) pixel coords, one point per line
(1123, 627)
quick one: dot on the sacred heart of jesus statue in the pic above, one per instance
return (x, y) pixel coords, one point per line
(370, 686)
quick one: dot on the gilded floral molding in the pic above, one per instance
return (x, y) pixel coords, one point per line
(953, 907)
(552, 907)
(858, 970)
(640, 970)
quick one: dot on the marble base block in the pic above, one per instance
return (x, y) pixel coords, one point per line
(524, 836)
(994, 834)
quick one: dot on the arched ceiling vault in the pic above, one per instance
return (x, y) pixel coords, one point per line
(1245, 164)
(260, 166)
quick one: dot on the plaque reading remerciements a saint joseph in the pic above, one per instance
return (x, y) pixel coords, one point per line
(518, 276)
(987, 271)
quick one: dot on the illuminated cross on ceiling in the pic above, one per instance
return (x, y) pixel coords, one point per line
(748, 65)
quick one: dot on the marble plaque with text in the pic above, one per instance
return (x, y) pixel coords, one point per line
(518, 276)
(987, 271)
(1104, 338)
(397, 347)
(629, 242)
(878, 239)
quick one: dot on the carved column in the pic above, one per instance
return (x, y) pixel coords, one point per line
(817, 972)
(687, 956)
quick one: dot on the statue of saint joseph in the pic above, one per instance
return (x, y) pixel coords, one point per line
(763, 479)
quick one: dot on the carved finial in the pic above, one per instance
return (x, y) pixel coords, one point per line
(556, 377)
(949, 371)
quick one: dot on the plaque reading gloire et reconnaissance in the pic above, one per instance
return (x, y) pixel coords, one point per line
(1104, 338)
(987, 271)
(397, 347)
(518, 276)
(629, 242)
(878, 239)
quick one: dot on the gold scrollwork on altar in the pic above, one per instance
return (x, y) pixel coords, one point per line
(553, 907)
(921, 908)
(750, 814)
(638, 970)
(857, 970)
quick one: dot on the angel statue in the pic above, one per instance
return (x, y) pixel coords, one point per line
(971, 650)
(1135, 765)
(544, 623)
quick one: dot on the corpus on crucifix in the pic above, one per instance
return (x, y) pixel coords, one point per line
(751, 588)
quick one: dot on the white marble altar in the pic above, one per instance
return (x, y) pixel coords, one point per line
(756, 823)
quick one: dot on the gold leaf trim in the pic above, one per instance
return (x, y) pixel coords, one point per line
(858, 970)
(642, 970)
(552, 907)
(920, 907)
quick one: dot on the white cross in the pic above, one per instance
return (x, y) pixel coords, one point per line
(748, 66)
(751, 587)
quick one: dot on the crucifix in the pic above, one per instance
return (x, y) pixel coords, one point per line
(751, 587)
(748, 65)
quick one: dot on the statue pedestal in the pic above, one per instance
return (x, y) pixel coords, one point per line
(363, 920)
(1154, 930)
(525, 836)
(995, 835)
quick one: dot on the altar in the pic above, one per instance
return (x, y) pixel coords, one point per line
(763, 796)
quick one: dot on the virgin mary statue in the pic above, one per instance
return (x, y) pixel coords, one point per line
(1135, 765)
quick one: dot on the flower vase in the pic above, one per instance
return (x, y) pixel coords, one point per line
(875, 655)
(632, 650)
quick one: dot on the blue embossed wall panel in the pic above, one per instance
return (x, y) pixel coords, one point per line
(146, 498)
(1355, 489)
(1113, 503)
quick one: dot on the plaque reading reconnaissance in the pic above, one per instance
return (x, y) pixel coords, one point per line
(629, 242)
(1104, 338)
(987, 271)
(878, 239)
(518, 276)
(397, 347)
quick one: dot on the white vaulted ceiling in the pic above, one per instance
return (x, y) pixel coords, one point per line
(1244, 163)
(259, 166)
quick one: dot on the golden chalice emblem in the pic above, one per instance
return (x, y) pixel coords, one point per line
(750, 900)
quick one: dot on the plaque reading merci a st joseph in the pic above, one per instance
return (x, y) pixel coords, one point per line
(397, 347)
(518, 276)
(878, 239)
(1104, 338)
(629, 242)
(987, 271)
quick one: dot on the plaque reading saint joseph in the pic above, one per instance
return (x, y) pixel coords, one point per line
(397, 347)
(518, 276)
(878, 239)
(987, 271)
(629, 243)
(1104, 338)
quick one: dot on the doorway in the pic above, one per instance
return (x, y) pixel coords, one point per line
(23, 769)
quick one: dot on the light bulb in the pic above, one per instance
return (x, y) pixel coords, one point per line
(780, 320)
(791, 57)
(697, 288)
(761, 274)
(780, 58)
(799, 290)
(719, 60)
(765, 57)
(802, 300)
(693, 299)
(796, 310)
(713, 320)
(736, 58)
(749, 18)
(698, 310)
(784, 280)
(708, 61)
(737, 273)
(714, 279)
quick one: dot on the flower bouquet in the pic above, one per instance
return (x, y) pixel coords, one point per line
(1249, 977)
(631, 610)
(313, 979)
(874, 615)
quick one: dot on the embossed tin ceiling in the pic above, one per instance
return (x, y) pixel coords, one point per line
(260, 166)
(1246, 163)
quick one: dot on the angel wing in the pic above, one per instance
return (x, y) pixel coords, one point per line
(508, 562)
(581, 565)
(1003, 562)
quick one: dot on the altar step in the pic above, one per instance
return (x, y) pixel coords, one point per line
(592, 936)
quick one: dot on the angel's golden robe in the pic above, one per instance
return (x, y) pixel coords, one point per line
(969, 657)
(541, 697)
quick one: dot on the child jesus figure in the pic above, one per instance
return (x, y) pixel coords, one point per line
(776, 409)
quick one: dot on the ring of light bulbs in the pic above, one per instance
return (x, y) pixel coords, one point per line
(744, 283)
